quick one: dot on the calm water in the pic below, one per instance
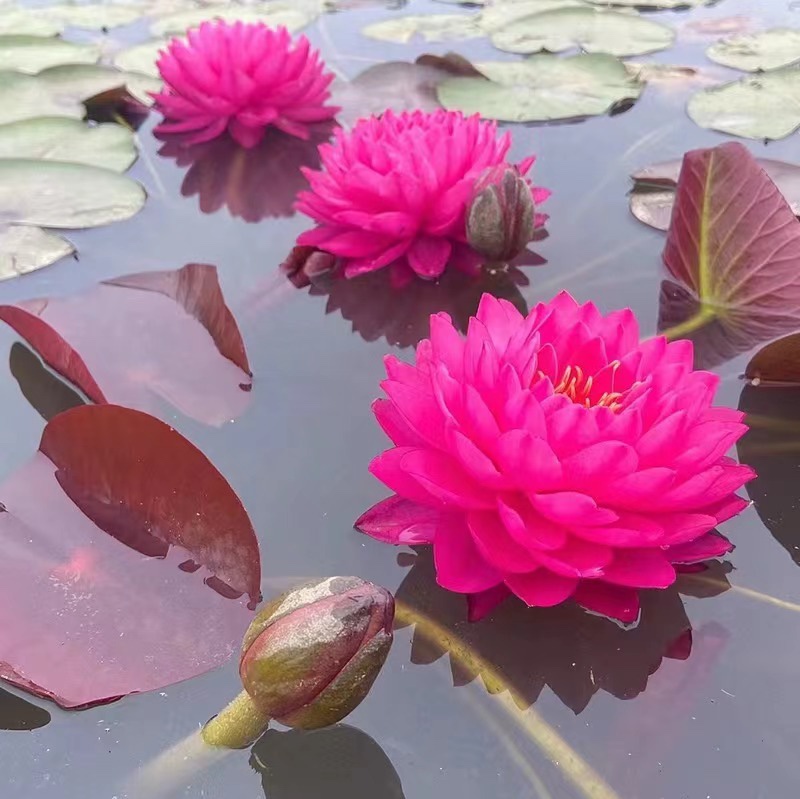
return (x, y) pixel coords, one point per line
(652, 722)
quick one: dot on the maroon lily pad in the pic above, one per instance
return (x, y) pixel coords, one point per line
(145, 336)
(128, 561)
(733, 249)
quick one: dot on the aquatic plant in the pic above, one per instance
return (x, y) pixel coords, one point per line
(394, 192)
(555, 456)
(241, 78)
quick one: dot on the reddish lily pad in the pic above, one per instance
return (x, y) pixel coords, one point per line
(777, 363)
(128, 561)
(734, 248)
(138, 338)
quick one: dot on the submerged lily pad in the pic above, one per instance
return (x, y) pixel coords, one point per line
(543, 88)
(593, 30)
(24, 249)
(99, 342)
(431, 27)
(134, 560)
(62, 195)
(61, 139)
(274, 14)
(35, 53)
(756, 107)
(61, 91)
(757, 52)
(498, 15)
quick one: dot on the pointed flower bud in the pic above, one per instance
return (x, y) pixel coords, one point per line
(308, 659)
(500, 216)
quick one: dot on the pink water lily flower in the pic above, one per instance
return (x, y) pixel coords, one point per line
(555, 456)
(393, 191)
(242, 78)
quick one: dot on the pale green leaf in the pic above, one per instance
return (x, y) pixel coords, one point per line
(431, 27)
(274, 14)
(91, 16)
(757, 52)
(24, 249)
(35, 53)
(141, 57)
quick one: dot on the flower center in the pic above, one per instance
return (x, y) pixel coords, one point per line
(578, 387)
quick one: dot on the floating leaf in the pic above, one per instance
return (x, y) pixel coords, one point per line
(593, 30)
(432, 28)
(132, 340)
(273, 14)
(757, 52)
(35, 53)
(124, 553)
(757, 107)
(141, 57)
(734, 244)
(24, 249)
(542, 88)
(61, 91)
(62, 195)
(62, 139)
(778, 362)
(652, 3)
(653, 192)
(498, 15)
(27, 22)
(91, 16)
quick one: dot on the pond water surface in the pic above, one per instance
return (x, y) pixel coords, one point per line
(656, 713)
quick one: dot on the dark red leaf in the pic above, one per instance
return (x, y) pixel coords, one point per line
(734, 245)
(168, 334)
(94, 602)
(778, 362)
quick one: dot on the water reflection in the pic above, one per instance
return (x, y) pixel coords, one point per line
(574, 653)
(47, 395)
(340, 762)
(17, 714)
(253, 184)
(772, 448)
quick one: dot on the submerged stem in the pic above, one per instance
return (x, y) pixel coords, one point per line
(240, 724)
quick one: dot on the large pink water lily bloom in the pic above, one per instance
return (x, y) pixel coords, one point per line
(555, 456)
(394, 191)
(242, 78)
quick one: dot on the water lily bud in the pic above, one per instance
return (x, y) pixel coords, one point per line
(308, 659)
(500, 217)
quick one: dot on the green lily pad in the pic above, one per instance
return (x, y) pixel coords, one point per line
(35, 53)
(60, 91)
(498, 15)
(543, 88)
(94, 16)
(21, 21)
(24, 249)
(274, 14)
(62, 195)
(593, 30)
(141, 57)
(756, 107)
(432, 28)
(757, 52)
(652, 3)
(61, 139)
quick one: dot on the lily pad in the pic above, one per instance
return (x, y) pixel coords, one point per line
(591, 29)
(99, 342)
(141, 58)
(273, 14)
(34, 53)
(653, 192)
(431, 27)
(763, 106)
(498, 15)
(543, 88)
(133, 559)
(651, 4)
(61, 91)
(24, 249)
(24, 22)
(758, 52)
(63, 195)
(733, 246)
(61, 139)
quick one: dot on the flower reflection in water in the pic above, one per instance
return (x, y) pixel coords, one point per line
(254, 183)
(573, 652)
(347, 764)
